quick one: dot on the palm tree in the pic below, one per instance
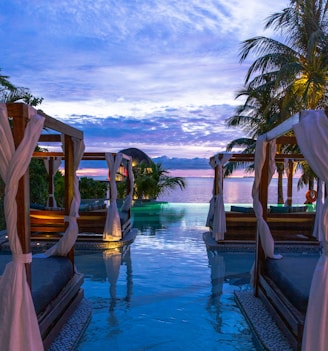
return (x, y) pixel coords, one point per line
(150, 182)
(287, 76)
(298, 66)
(259, 114)
(11, 93)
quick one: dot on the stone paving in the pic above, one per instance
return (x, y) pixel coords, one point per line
(264, 327)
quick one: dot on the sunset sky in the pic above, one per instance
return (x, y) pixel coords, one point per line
(159, 75)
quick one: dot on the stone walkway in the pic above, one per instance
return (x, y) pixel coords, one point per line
(264, 327)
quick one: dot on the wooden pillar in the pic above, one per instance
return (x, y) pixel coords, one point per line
(264, 184)
(20, 114)
(69, 182)
(51, 181)
(290, 183)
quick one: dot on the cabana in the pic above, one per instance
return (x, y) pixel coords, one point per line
(38, 293)
(285, 222)
(110, 226)
(294, 288)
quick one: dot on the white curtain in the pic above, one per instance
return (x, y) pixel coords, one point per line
(263, 229)
(56, 164)
(128, 200)
(312, 138)
(19, 326)
(66, 242)
(317, 228)
(112, 230)
(216, 211)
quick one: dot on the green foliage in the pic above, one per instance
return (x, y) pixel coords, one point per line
(38, 182)
(287, 75)
(150, 182)
(92, 189)
(296, 66)
(59, 181)
(11, 93)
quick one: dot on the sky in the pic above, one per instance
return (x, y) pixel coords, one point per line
(158, 75)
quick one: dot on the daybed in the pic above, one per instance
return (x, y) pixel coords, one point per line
(37, 294)
(284, 226)
(294, 287)
(94, 217)
(286, 222)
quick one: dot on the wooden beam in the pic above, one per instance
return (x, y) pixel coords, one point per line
(50, 138)
(283, 127)
(59, 126)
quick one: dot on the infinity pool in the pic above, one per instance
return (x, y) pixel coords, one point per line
(166, 291)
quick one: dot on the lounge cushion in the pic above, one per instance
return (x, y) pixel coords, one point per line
(279, 209)
(242, 209)
(293, 275)
(49, 276)
(293, 209)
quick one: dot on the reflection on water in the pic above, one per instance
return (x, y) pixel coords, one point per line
(178, 296)
(113, 260)
(148, 217)
(235, 191)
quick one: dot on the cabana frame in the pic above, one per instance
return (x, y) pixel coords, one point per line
(59, 309)
(48, 224)
(270, 270)
(242, 226)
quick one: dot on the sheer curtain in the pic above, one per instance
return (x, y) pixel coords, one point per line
(263, 229)
(312, 138)
(19, 326)
(216, 214)
(317, 229)
(128, 200)
(56, 164)
(112, 230)
(66, 242)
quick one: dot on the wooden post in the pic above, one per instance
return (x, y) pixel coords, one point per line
(20, 114)
(264, 184)
(290, 183)
(69, 182)
(51, 181)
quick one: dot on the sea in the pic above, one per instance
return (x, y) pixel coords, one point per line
(236, 190)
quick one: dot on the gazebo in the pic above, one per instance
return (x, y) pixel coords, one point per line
(38, 293)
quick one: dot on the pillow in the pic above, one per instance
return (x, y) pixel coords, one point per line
(37, 206)
(242, 209)
(279, 209)
(293, 209)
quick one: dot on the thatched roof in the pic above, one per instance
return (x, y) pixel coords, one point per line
(138, 156)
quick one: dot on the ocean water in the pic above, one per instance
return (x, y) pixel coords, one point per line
(235, 191)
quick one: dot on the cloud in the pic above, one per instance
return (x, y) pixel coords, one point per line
(180, 132)
(158, 75)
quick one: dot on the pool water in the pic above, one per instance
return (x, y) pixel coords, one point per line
(166, 291)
